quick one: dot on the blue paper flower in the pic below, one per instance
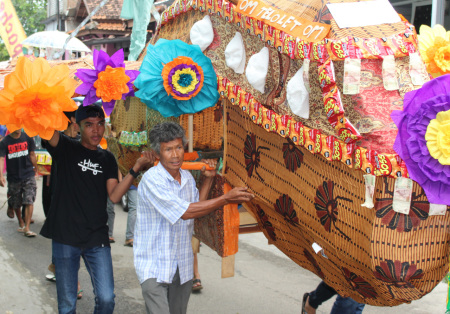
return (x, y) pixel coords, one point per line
(176, 78)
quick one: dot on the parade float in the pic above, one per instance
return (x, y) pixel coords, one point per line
(304, 120)
(327, 123)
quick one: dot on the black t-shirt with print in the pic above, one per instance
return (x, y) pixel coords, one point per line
(77, 214)
(17, 155)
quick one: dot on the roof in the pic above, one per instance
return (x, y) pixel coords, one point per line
(110, 11)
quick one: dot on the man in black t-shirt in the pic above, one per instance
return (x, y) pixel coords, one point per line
(77, 218)
(18, 149)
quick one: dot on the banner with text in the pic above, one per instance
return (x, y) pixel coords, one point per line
(11, 29)
(294, 26)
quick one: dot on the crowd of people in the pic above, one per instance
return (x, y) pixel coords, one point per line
(161, 212)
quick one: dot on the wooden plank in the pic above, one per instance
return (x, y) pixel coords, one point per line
(244, 230)
(247, 208)
(230, 225)
(228, 266)
(246, 219)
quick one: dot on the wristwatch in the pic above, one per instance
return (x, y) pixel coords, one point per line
(134, 173)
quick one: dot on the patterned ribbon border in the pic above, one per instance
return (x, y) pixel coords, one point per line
(399, 45)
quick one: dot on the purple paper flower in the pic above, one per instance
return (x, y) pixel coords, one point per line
(420, 107)
(104, 65)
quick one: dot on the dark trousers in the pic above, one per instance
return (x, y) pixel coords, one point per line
(46, 194)
(342, 305)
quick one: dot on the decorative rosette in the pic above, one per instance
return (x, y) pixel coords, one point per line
(109, 81)
(183, 78)
(423, 139)
(35, 97)
(434, 46)
(176, 78)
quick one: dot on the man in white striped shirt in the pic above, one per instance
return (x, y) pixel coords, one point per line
(168, 201)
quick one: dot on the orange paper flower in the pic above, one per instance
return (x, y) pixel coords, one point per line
(112, 84)
(35, 97)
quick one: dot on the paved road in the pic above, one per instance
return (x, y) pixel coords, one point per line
(266, 281)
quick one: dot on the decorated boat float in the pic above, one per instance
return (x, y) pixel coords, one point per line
(334, 125)
(304, 120)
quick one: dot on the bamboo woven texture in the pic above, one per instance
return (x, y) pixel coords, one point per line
(374, 256)
(208, 128)
(129, 115)
(209, 229)
(125, 157)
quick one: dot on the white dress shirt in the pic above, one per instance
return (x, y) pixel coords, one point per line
(162, 240)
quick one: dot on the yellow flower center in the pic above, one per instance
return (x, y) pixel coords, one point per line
(438, 137)
(180, 76)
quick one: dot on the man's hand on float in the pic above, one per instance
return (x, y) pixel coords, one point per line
(239, 195)
(212, 163)
(146, 160)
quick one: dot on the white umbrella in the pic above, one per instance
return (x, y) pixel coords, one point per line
(55, 39)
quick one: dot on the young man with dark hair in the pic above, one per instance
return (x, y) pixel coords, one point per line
(168, 202)
(77, 218)
(21, 167)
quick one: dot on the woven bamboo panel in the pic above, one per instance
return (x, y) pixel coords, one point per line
(129, 115)
(125, 157)
(154, 117)
(375, 256)
(208, 128)
(209, 229)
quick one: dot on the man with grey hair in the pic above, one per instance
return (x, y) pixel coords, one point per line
(168, 201)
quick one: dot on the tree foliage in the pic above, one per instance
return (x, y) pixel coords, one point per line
(31, 14)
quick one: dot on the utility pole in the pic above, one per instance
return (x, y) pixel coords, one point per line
(58, 26)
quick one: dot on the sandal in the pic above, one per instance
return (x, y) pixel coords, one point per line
(80, 294)
(197, 285)
(29, 234)
(111, 240)
(305, 297)
(10, 212)
(129, 243)
(21, 229)
(50, 277)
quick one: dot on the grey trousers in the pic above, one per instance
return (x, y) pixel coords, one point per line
(164, 298)
(131, 221)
